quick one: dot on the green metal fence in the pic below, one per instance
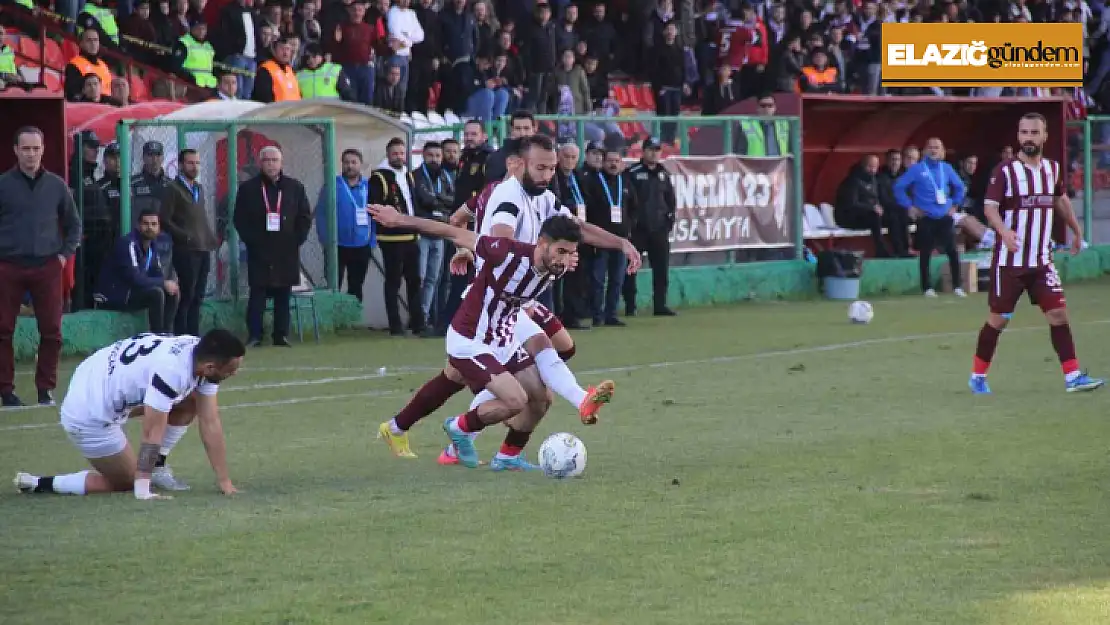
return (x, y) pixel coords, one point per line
(1088, 151)
(229, 155)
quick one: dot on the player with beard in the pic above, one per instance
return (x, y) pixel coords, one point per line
(1023, 196)
(482, 343)
(520, 205)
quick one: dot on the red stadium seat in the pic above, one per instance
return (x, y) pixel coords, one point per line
(52, 80)
(140, 92)
(620, 93)
(646, 97)
(55, 58)
(30, 49)
(70, 50)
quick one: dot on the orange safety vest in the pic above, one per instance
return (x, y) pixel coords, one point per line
(818, 77)
(100, 69)
(284, 81)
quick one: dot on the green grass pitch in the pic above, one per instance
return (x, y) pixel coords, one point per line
(827, 474)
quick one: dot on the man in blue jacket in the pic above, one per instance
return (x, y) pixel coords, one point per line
(934, 192)
(131, 277)
(356, 230)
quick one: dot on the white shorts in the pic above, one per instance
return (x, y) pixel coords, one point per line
(478, 363)
(525, 328)
(96, 435)
(463, 348)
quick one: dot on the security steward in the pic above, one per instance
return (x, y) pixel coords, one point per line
(109, 184)
(148, 185)
(199, 55)
(322, 80)
(652, 228)
(276, 81)
(95, 221)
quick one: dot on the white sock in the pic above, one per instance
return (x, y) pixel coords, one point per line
(70, 483)
(482, 398)
(1072, 375)
(558, 377)
(394, 428)
(173, 435)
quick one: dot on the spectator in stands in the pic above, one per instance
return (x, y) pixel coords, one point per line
(819, 76)
(138, 25)
(148, 186)
(296, 55)
(600, 37)
(405, 31)
(895, 217)
(322, 80)
(121, 92)
(163, 21)
(180, 18)
(306, 27)
(867, 57)
(88, 61)
(540, 59)
(487, 24)
(668, 78)
(236, 43)
(435, 194)
(857, 203)
(96, 222)
(610, 204)
(426, 57)
(200, 56)
(521, 124)
(39, 232)
(270, 15)
(227, 87)
(393, 184)
(931, 190)
(510, 77)
(572, 86)
(353, 223)
(185, 219)
(489, 99)
(101, 18)
(91, 92)
(276, 81)
(131, 278)
(390, 95)
(273, 218)
(473, 163)
(788, 67)
(352, 46)
(451, 155)
(566, 29)
(722, 94)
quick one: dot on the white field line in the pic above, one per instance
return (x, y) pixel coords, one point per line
(404, 371)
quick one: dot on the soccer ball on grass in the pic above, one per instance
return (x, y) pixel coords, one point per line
(860, 312)
(562, 455)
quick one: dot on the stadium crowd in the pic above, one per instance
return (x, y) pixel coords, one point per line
(483, 58)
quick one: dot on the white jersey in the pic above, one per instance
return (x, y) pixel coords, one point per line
(509, 205)
(148, 369)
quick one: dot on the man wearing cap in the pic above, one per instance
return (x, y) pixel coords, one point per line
(322, 80)
(96, 222)
(109, 185)
(199, 54)
(595, 154)
(652, 229)
(148, 185)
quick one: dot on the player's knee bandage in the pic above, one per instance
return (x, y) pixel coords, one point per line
(148, 457)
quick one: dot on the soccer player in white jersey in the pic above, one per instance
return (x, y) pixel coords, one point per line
(164, 375)
(516, 209)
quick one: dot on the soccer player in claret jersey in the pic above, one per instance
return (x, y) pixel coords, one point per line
(1023, 196)
(174, 378)
(483, 341)
(515, 208)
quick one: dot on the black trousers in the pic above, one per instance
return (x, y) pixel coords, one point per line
(402, 262)
(160, 308)
(354, 262)
(897, 221)
(866, 220)
(192, 276)
(421, 77)
(256, 306)
(575, 289)
(933, 234)
(658, 249)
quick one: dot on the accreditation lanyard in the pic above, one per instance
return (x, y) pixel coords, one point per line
(615, 214)
(942, 188)
(579, 201)
(362, 218)
(194, 189)
(437, 183)
(149, 257)
(273, 215)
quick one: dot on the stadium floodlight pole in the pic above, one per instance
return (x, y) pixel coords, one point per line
(329, 193)
(232, 191)
(123, 136)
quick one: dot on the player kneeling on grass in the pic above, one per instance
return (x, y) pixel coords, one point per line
(482, 343)
(166, 376)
